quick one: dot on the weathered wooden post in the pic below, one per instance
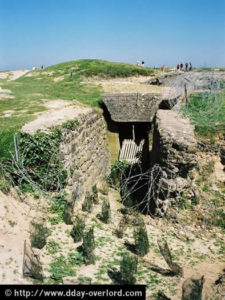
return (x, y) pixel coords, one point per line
(185, 93)
(15, 138)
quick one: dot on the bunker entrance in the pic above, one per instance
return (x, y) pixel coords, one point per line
(128, 140)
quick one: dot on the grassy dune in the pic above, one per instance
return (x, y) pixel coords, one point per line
(101, 68)
(35, 88)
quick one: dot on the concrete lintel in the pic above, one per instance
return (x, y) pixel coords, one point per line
(132, 107)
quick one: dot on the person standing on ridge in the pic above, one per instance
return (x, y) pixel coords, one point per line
(186, 67)
(181, 66)
(190, 66)
(71, 72)
(163, 68)
(178, 67)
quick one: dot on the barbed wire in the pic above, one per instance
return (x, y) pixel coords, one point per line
(144, 185)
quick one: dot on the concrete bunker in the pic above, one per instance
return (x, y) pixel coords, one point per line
(165, 139)
(130, 116)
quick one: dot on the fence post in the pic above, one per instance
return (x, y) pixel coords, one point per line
(15, 138)
(185, 93)
(75, 197)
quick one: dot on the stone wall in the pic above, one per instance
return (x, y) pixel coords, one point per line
(174, 149)
(85, 154)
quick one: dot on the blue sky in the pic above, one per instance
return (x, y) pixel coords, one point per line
(36, 32)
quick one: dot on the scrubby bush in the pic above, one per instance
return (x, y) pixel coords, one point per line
(127, 198)
(71, 124)
(39, 162)
(95, 193)
(39, 236)
(220, 218)
(122, 226)
(104, 189)
(207, 170)
(195, 201)
(141, 240)
(89, 247)
(4, 184)
(88, 202)
(61, 209)
(77, 230)
(68, 215)
(118, 169)
(106, 211)
(128, 269)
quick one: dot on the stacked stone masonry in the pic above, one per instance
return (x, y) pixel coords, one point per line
(85, 154)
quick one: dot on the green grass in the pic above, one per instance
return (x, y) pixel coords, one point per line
(204, 69)
(65, 266)
(101, 68)
(58, 209)
(207, 112)
(32, 92)
(61, 267)
(53, 247)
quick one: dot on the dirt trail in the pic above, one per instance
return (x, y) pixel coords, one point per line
(59, 111)
(13, 75)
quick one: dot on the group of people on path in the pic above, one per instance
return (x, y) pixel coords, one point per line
(182, 67)
(35, 68)
(187, 66)
(142, 63)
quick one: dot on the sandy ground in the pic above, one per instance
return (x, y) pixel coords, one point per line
(4, 91)
(36, 73)
(5, 94)
(15, 225)
(7, 113)
(127, 85)
(194, 249)
(219, 173)
(16, 74)
(15, 218)
(16, 215)
(133, 84)
(59, 111)
(194, 246)
(13, 75)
